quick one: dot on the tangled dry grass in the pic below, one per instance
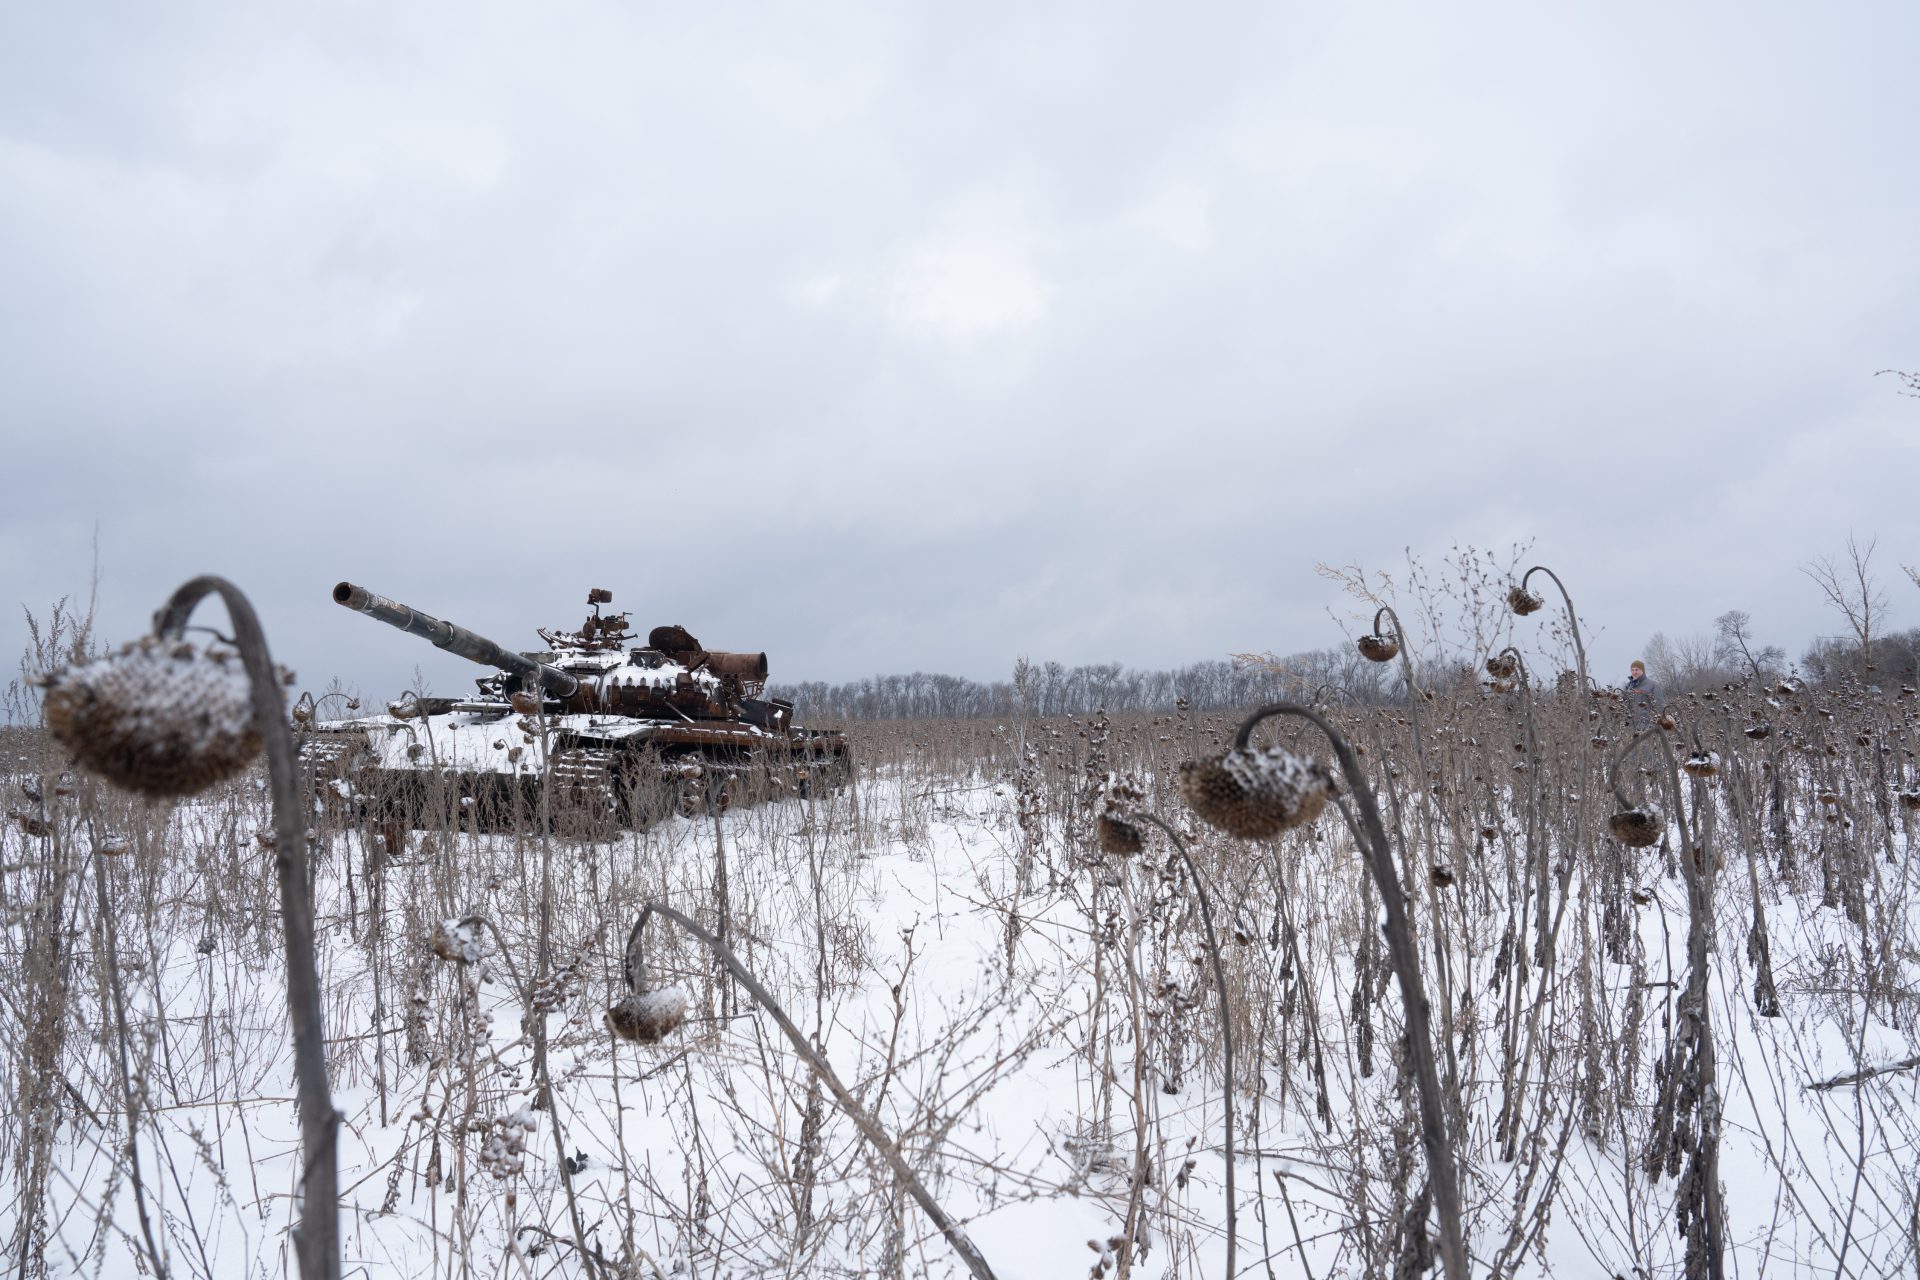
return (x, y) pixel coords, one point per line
(948, 1009)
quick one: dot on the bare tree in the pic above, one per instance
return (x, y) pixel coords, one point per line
(1911, 384)
(1851, 588)
(1734, 645)
(1683, 663)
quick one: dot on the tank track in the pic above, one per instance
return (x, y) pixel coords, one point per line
(328, 755)
(584, 792)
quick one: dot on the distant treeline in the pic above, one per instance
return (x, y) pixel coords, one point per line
(1896, 659)
(1682, 663)
(1052, 689)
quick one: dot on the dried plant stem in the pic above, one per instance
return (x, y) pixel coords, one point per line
(1573, 620)
(1139, 1176)
(128, 1097)
(1547, 923)
(1741, 802)
(1580, 809)
(1226, 1027)
(869, 1128)
(543, 971)
(1541, 868)
(1442, 968)
(1699, 1190)
(1441, 1168)
(316, 1236)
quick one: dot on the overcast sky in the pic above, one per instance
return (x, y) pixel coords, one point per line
(892, 337)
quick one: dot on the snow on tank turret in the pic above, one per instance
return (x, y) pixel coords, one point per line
(592, 733)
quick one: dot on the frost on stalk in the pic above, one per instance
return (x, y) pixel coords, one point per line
(1255, 794)
(554, 992)
(505, 1152)
(160, 717)
(648, 1016)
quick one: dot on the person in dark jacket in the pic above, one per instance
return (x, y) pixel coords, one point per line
(1643, 695)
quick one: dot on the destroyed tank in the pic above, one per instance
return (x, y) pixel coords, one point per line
(593, 733)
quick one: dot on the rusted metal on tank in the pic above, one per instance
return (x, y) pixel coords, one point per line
(745, 666)
(673, 639)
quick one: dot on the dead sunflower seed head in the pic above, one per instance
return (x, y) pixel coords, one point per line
(160, 717)
(1255, 794)
(456, 940)
(1638, 828)
(1379, 648)
(32, 820)
(1116, 828)
(1523, 601)
(1121, 793)
(1117, 836)
(1702, 764)
(1502, 666)
(648, 1017)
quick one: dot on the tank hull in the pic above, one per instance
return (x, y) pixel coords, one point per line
(492, 768)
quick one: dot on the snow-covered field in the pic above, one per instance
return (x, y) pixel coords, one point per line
(1033, 1022)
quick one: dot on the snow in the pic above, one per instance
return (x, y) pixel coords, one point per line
(961, 996)
(1273, 771)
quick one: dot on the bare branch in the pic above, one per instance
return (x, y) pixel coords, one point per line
(1866, 1073)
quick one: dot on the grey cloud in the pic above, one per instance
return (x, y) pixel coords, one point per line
(887, 339)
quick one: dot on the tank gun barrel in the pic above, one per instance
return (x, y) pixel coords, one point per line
(454, 639)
